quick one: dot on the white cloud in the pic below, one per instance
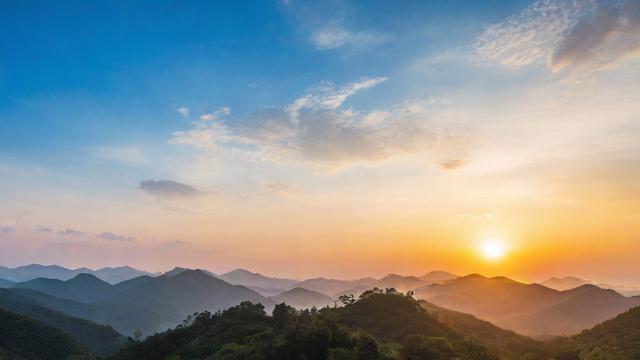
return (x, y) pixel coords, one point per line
(575, 35)
(316, 129)
(184, 111)
(216, 114)
(328, 38)
(328, 97)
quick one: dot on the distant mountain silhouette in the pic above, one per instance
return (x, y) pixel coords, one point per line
(399, 282)
(564, 283)
(101, 340)
(250, 279)
(85, 288)
(183, 294)
(530, 309)
(331, 287)
(4, 283)
(150, 304)
(23, 338)
(301, 298)
(35, 271)
(179, 270)
(571, 282)
(437, 276)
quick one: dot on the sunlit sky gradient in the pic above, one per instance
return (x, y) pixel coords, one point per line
(348, 139)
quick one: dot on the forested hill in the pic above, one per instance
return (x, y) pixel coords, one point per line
(378, 326)
(22, 338)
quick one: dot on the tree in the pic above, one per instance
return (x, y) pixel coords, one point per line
(347, 299)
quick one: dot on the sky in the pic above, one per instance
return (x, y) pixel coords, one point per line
(335, 138)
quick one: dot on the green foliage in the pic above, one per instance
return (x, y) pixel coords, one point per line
(615, 339)
(100, 339)
(24, 338)
(381, 325)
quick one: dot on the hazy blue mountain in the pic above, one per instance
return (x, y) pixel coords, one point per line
(250, 279)
(23, 338)
(331, 287)
(35, 271)
(179, 270)
(84, 288)
(4, 283)
(301, 298)
(267, 292)
(100, 339)
(530, 309)
(123, 317)
(114, 275)
(437, 276)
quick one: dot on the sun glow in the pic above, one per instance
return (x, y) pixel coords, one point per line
(493, 249)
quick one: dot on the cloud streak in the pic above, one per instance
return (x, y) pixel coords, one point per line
(567, 35)
(169, 189)
(333, 37)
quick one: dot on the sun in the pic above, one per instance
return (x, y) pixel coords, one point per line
(493, 249)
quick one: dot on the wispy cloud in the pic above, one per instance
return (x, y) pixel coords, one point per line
(280, 188)
(72, 233)
(216, 114)
(109, 236)
(333, 37)
(129, 155)
(6, 230)
(566, 34)
(184, 111)
(318, 129)
(44, 229)
(169, 189)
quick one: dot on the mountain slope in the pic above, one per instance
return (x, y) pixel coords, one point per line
(618, 338)
(301, 298)
(508, 344)
(24, 338)
(101, 340)
(576, 310)
(83, 287)
(125, 318)
(183, 294)
(529, 309)
(4, 283)
(250, 279)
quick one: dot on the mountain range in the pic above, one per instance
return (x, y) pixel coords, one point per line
(529, 309)
(29, 272)
(571, 282)
(496, 313)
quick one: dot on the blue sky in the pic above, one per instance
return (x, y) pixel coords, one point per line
(241, 131)
(81, 73)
